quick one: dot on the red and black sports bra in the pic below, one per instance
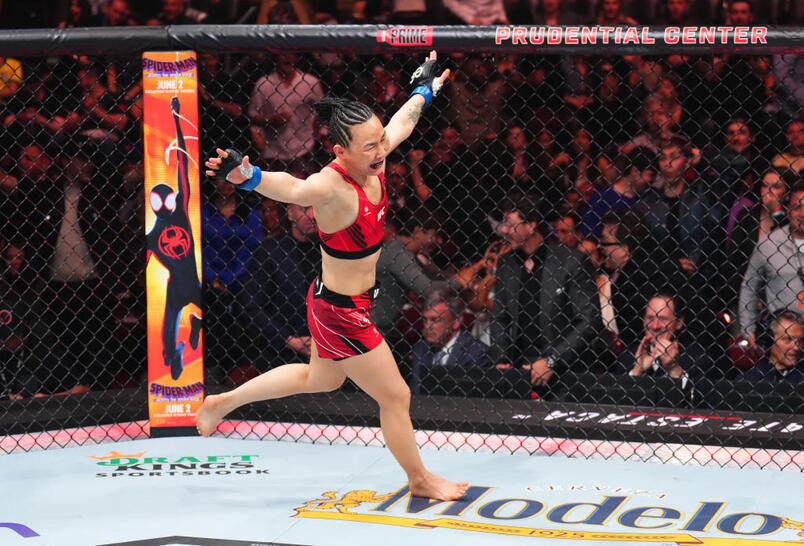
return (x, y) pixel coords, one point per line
(364, 237)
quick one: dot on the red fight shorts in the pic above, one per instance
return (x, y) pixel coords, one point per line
(341, 325)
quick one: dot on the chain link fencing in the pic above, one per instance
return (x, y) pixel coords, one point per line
(604, 246)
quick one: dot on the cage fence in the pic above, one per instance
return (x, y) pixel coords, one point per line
(593, 251)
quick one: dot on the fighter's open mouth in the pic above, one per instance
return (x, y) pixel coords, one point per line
(376, 165)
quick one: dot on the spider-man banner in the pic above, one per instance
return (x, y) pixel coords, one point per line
(173, 231)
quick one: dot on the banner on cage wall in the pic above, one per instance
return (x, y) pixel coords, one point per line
(173, 233)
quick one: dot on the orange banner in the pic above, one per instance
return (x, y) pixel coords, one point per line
(173, 232)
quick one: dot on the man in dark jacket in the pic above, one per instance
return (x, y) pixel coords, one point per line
(545, 309)
(282, 267)
(781, 363)
(447, 353)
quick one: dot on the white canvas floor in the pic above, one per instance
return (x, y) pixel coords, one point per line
(216, 491)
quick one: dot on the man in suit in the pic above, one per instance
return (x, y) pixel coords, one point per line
(545, 311)
(447, 352)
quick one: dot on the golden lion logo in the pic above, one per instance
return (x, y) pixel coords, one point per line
(795, 525)
(350, 500)
(116, 455)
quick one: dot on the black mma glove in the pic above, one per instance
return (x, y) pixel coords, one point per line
(425, 81)
(234, 160)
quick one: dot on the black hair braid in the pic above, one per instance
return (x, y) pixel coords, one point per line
(339, 114)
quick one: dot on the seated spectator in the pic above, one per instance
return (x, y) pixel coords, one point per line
(177, 12)
(738, 85)
(42, 104)
(397, 185)
(626, 279)
(752, 226)
(101, 118)
(582, 163)
(64, 211)
(477, 280)
(476, 12)
(273, 296)
(445, 345)
(545, 311)
(782, 362)
(274, 218)
(444, 183)
(788, 75)
(793, 158)
(231, 230)
(773, 280)
(513, 153)
(283, 117)
(566, 231)
(680, 13)
(610, 13)
(660, 352)
(285, 12)
(660, 117)
(676, 214)
(405, 265)
(637, 171)
(117, 13)
(727, 168)
(79, 14)
(476, 100)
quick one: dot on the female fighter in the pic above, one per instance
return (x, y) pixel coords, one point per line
(349, 202)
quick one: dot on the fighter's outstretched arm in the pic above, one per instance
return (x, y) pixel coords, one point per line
(279, 186)
(426, 85)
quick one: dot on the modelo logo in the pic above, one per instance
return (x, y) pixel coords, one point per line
(22, 530)
(506, 516)
(406, 36)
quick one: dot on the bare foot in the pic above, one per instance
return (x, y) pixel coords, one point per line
(437, 488)
(208, 415)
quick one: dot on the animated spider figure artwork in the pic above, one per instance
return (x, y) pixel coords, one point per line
(171, 242)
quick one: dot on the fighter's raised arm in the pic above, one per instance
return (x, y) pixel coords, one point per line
(425, 84)
(279, 186)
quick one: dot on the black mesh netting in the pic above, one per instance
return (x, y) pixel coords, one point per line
(614, 230)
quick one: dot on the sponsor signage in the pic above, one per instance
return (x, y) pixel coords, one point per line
(22, 530)
(623, 35)
(173, 234)
(406, 36)
(143, 465)
(597, 515)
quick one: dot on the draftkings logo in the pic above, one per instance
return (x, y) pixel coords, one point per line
(137, 465)
(611, 517)
(406, 36)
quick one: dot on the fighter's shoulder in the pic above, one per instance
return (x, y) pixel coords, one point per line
(329, 184)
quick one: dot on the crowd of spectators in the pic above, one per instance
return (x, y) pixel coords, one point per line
(551, 215)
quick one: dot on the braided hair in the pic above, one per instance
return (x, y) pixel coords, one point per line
(340, 114)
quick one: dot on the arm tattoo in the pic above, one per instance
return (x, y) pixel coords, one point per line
(414, 112)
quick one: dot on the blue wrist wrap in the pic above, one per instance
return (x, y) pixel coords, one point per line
(425, 92)
(254, 181)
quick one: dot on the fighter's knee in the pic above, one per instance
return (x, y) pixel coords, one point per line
(399, 396)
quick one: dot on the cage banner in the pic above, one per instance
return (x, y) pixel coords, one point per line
(173, 233)
(544, 39)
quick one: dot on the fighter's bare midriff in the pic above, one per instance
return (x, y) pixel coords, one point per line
(349, 277)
